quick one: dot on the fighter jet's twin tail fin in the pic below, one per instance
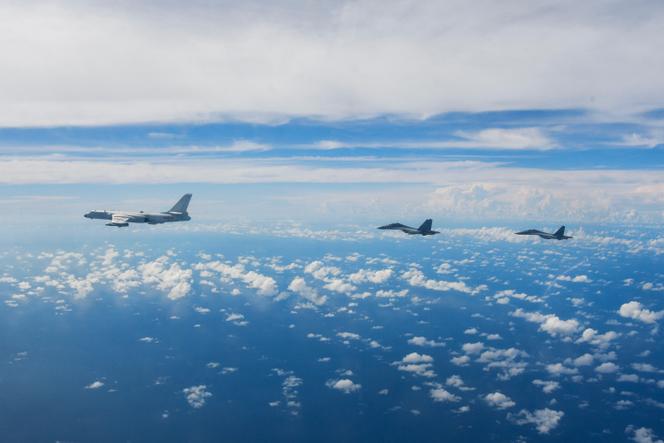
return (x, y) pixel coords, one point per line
(426, 226)
(182, 204)
(560, 232)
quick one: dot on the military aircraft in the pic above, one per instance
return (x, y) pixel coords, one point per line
(425, 229)
(123, 218)
(558, 235)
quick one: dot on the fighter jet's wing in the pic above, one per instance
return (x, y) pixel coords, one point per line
(396, 226)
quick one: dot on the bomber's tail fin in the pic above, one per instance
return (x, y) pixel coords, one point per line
(426, 226)
(182, 204)
(560, 232)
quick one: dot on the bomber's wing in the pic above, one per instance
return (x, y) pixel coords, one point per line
(119, 220)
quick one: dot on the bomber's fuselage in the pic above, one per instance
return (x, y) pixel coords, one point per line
(140, 217)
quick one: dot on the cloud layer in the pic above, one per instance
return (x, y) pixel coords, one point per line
(156, 61)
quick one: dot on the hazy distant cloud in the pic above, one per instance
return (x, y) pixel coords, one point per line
(490, 138)
(247, 60)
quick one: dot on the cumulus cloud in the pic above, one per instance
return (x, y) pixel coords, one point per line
(549, 323)
(548, 386)
(642, 435)
(423, 341)
(299, 286)
(196, 395)
(594, 338)
(377, 277)
(544, 420)
(415, 277)
(508, 361)
(607, 368)
(472, 348)
(575, 279)
(499, 400)
(263, 284)
(173, 279)
(417, 364)
(344, 385)
(636, 311)
(560, 369)
(441, 395)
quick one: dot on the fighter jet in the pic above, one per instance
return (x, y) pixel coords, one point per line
(123, 218)
(425, 229)
(558, 235)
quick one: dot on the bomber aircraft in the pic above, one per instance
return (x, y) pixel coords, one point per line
(424, 229)
(123, 218)
(558, 235)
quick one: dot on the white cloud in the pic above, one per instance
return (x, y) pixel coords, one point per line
(441, 395)
(196, 395)
(414, 357)
(636, 311)
(415, 277)
(499, 400)
(263, 284)
(560, 369)
(422, 341)
(426, 59)
(344, 385)
(607, 368)
(377, 277)
(584, 360)
(544, 420)
(95, 385)
(461, 360)
(300, 287)
(518, 138)
(418, 364)
(473, 348)
(643, 435)
(548, 386)
(575, 279)
(348, 335)
(508, 361)
(601, 340)
(549, 323)
(173, 279)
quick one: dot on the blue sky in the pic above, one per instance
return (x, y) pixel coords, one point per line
(334, 110)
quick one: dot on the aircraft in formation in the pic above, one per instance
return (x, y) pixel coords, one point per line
(558, 235)
(424, 229)
(179, 212)
(122, 218)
